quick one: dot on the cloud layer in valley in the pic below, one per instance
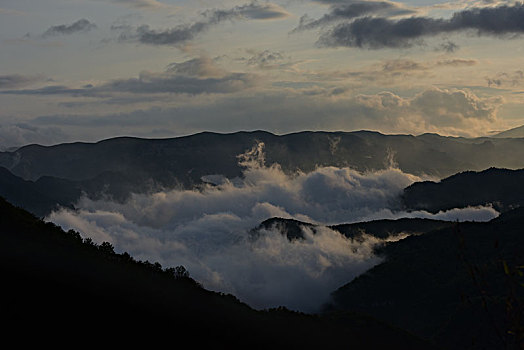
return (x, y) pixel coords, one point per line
(208, 230)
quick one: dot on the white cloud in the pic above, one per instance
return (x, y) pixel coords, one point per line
(208, 230)
(449, 112)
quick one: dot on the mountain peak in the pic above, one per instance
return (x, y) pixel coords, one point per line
(517, 132)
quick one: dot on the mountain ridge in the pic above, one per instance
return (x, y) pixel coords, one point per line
(458, 285)
(362, 150)
(500, 188)
(517, 132)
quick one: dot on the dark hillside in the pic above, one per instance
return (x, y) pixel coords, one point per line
(56, 284)
(501, 188)
(459, 286)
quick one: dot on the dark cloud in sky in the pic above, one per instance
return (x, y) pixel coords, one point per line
(174, 36)
(403, 65)
(457, 62)
(169, 83)
(185, 32)
(256, 10)
(347, 10)
(13, 81)
(195, 76)
(152, 83)
(448, 46)
(82, 25)
(202, 67)
(49, 90)
(265, 57)
(381, 32)
(507, 79)
(141, 3)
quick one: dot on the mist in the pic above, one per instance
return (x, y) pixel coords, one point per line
(209, 229)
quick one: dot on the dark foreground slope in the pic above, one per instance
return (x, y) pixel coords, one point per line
(461, 286)
(58, 288)
(48, 193)
(501, 188)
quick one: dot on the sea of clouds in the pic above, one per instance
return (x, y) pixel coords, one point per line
(207, 229)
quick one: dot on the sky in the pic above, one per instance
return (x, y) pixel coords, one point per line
(86, 70)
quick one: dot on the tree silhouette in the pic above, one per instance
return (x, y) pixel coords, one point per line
(178, 272)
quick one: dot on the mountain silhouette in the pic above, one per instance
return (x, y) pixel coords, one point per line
(460, 286)
(55, 284)
(117, 167)
(517, 132)
(500, 188)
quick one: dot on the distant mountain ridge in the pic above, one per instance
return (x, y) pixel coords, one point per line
(501, 188)
(383, 229)
(515, 132)
(58, 175)
(182, 161)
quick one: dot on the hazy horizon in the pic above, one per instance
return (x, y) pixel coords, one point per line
(95, 69)
(97, 140)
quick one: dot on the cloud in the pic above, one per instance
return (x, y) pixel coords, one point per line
(443, 107)
(504, 79)
(451, 112)
(195, 76)
(209, 230)
(457, 62)
(399, 65)
(256, 10)
(21, 134)
(151, 83)
(394, 71)
(183, 33)
(348, 10)
(380, 32)
(203, 67)
(148, 4)
(50, 90)
(11, 12)
(267, 59)
(82, 25)
(14, 81)
(406, 65)
(477, 214)
(447, 111)
(448, 46)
